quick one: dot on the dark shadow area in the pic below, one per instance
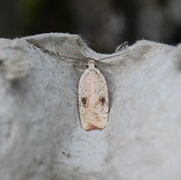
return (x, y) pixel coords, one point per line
(104, 24)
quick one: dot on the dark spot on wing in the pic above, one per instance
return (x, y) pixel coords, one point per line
(102, 100)
(83, 100)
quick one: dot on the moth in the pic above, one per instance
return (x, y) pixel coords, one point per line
(93, 98)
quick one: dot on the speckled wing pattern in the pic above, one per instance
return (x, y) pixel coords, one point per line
(93, 99)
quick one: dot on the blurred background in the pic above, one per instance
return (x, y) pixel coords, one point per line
(104, 24)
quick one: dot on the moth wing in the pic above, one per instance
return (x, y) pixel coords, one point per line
(93, 100)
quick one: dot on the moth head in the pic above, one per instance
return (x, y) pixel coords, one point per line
(91, 64)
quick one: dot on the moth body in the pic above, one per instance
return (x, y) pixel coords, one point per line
(93, 99)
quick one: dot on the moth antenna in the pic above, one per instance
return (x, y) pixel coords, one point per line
(114, 55)
(86, 59)
(69, 57)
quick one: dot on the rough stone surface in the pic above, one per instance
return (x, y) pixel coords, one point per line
(40, 133)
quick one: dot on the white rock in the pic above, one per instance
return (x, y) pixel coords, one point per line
(40, 133)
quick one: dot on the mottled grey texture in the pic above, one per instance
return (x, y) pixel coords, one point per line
(40, 133)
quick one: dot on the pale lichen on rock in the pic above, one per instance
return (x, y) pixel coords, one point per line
(41, 135)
